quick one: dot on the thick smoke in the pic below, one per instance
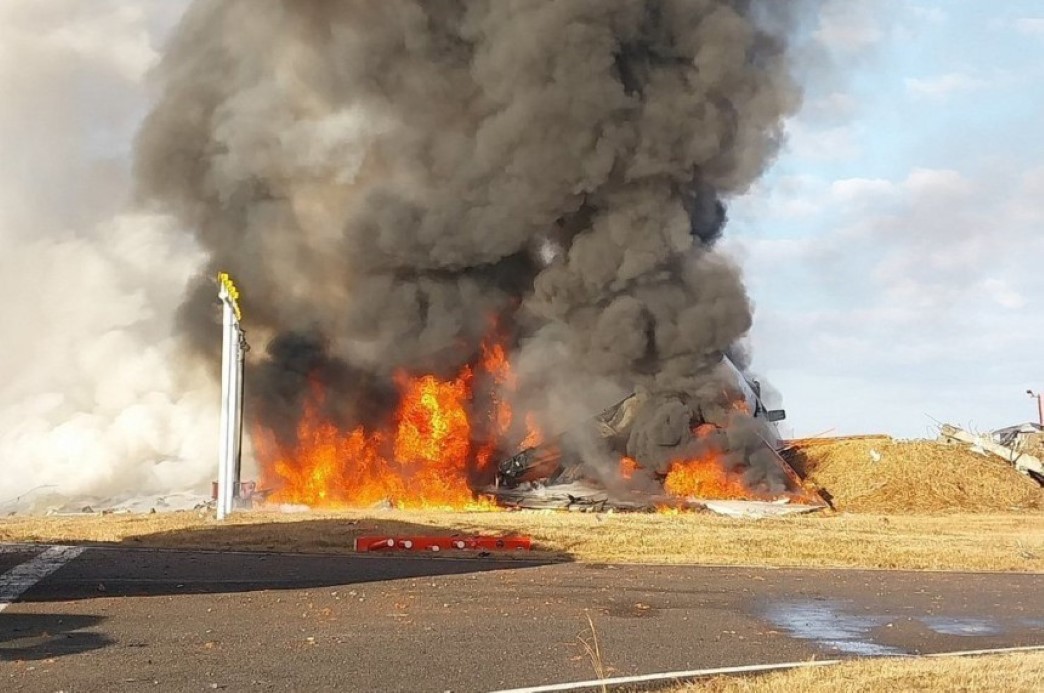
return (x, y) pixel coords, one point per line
(384, 177)
(94, 399)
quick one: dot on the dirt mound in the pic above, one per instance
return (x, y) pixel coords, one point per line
(879, 474)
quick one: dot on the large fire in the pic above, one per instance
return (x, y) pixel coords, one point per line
(429, 457)
(438, 449)
(705, 478)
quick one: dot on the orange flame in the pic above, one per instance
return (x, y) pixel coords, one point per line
(627, 467)
(736, 402)
(705, 478)
(534, 434)
(495, 363)
(427, 459)
(423, 465)
(433, 440)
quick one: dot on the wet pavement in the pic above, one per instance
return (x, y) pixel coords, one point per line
(116, 619)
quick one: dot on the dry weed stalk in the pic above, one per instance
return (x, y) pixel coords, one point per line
(593, 650)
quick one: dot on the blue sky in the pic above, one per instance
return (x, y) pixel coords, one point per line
(894, 249)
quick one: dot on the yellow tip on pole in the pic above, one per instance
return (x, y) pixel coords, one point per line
(233, 293)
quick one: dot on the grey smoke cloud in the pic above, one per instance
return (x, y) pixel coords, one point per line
(382, 178)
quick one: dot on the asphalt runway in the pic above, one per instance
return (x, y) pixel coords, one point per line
(113, 619)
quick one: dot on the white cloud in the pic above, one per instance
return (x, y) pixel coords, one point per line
(918, 292)
(945, 85)
(771, 251)
(1025, 206)
(788, 199)
(823, 144)
(1003, 294)
(834, 107)
(849, 26)
(1031, 26)
(930, 14)
(853, 191)
(933, 183)
(910, 290)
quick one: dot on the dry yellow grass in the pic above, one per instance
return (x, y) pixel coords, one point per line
(1003, 542)
(882, 475)
(1011, 673)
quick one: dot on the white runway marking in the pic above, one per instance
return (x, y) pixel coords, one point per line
(15, 582)
(604, 684)
(669, 676)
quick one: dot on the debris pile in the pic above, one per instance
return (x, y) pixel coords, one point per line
(1023, 462)
(1027, 439)
(879, 474)
(716, 449)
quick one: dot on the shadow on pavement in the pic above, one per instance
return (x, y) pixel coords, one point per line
(255, 557)
(33, 637)
(325, 536)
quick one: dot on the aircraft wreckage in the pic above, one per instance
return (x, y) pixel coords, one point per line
(733, 455)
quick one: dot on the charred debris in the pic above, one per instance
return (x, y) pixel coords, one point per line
(735, 431)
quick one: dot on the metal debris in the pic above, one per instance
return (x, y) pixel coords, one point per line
(1025, 463)
(757, 510)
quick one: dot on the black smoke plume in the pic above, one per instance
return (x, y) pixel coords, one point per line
(383, 178)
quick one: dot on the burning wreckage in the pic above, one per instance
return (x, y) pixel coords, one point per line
(464, 224)
(714, 447)
(732, 455)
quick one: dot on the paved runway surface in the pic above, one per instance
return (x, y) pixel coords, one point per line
(131, 620)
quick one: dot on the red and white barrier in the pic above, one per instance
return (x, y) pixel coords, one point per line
(386, 543)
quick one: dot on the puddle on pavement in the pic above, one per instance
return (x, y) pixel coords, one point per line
(835, 625)
(961, 626)
(827, 624)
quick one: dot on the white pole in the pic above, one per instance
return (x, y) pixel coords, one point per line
(226, 445)
(237, 428)
(233, 350)
(233, 420)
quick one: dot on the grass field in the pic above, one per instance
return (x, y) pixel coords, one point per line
(1000, 542)
(1011, 673)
